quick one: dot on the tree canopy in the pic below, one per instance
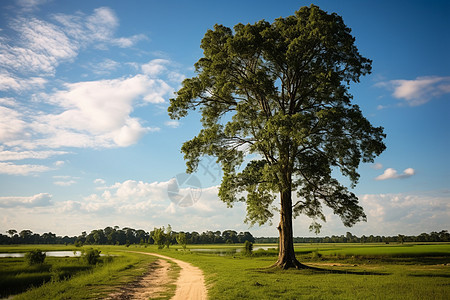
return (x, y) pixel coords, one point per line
(279, 92)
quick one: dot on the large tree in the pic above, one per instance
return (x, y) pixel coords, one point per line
(278, 94)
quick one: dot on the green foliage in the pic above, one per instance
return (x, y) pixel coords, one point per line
(159, 237)
(168, 236)
(91, 256)
(316, 254)
(281, 91)
(17, 277)
(182, 240)
(35, 257)
(163, 237)
(77, 279)
(248, 248)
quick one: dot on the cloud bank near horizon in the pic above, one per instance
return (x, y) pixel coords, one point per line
(145, 205)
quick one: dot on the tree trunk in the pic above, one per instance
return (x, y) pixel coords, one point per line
(286, 254)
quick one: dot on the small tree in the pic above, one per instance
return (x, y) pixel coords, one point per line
(182, 240)
(35, 257)
(159, 237)
(91, 256)
(248, 247)
(168, 233)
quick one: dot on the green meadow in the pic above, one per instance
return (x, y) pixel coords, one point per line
(338, 271)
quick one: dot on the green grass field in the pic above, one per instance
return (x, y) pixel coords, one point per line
(342, 271)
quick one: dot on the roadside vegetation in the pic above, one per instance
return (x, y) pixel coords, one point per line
(90, 276)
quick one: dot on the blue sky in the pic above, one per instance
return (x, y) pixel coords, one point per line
(86, 142)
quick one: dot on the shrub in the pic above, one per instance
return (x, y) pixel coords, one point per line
(91, 256)
(248, 247)
(35, 257)
(316, 255)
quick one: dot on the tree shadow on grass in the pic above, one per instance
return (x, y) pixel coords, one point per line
(418, 260)
(431, 275)
(309, 270)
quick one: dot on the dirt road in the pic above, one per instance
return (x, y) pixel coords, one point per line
(150, 285)
(190, 283)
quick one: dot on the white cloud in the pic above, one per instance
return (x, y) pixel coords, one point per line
(100, 26)
(59, 163)
(65, 180)
(65, 183)
(141, 198)
(99, 111)
(6, 155)
(37, 200)
(142, 205)
(405, 213)
(11, 124)
(104, 67)
(172, 123)
(377, 166)
(418, 91)
(93, 114)
(102, 23)
(390, 173)
(39, 46)
(380, 107)
(155, 67)
(99, 181)
(90, 114)
(124, 42)
(176, 77)
(10, 82)
(160, 89)
(42, 47)
(13, 169)
(7, 101)
(30, 5)
(159, 66)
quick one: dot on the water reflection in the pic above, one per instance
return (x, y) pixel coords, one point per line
(48, 253)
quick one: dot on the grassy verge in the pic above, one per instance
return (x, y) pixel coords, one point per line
(171, 286)
(17, 276)
(91, 283)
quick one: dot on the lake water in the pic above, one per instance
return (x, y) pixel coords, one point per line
(48, 253)
(218, 251)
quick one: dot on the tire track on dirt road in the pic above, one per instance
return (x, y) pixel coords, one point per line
(190, 283)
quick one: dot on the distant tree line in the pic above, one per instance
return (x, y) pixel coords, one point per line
(127, 236)
(442, 236)
(165, 236)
